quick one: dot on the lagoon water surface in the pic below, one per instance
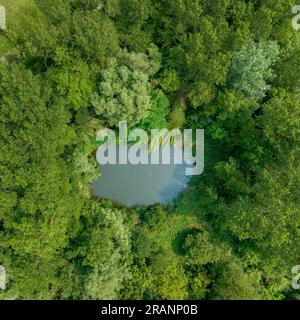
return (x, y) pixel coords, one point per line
(141, 184)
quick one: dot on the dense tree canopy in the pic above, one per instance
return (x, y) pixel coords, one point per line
(69, 68)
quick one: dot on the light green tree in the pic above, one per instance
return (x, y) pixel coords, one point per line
(107, 254)
(124, 91)
(251, 68)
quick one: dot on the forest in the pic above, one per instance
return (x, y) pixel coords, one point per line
(71, 67)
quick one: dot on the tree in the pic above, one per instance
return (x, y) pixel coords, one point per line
(63, 32)
(39, 205)
(74, 66)
(106, 255)
(157, 115)
(74, 85)
(124, 91)
(251, 68)
(176, 117)
(169, 81)
(201, 250)
(236, 283)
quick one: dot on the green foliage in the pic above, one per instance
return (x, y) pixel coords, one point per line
(57, 33)
(72, 67)
(39, 205)
(176, 117)
(157, 116)
(200, 250)
(250, 69)
(85, 166)
(73, 84)
(238, 284)
(169, 81)
(281, 120)
(107, 254)
(155, 249)
(124, 91)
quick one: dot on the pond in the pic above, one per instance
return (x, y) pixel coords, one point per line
(141, 184)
